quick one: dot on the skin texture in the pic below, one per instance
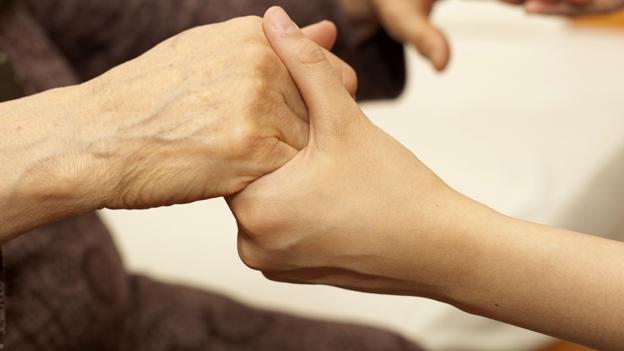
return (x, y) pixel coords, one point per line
(407, 21)
(201, 115)
(357, 210)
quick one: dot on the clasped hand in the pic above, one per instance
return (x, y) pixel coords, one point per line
(199, 116)
(330, 215)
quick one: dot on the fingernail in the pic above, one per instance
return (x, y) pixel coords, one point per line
(281, 21)
(439, 59)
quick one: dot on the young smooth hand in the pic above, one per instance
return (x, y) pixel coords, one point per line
(330, 214)
(355, 209)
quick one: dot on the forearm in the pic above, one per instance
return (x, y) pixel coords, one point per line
(46, 172)
(549, 280)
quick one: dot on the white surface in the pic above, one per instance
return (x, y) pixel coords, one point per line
(529, 119)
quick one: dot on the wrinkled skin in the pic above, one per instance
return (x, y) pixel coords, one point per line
(201, 115)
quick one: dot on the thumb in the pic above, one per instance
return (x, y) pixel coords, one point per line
(324, 34)
(310, 68)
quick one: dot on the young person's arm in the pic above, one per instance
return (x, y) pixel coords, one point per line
(355, 209)
(546, 279)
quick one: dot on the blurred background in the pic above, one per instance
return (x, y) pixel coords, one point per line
(528, 119)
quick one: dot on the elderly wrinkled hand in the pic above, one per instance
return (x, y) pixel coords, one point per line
(201, 115)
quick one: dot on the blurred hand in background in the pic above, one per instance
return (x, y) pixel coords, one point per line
(406, 21)
(569, 7)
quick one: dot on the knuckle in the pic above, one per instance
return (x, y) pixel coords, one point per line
(258, 98)
(261, 57)
(256, 90)
(259, 224)
(247, 140)
(265, 62)
(250, 255)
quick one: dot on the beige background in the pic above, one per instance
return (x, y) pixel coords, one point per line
(529, 119)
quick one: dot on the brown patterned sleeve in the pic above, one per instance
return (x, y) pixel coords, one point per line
(97, 35)
(2, 301)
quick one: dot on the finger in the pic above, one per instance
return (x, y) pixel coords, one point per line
(280, 154)
(345, 71)
(323, 33)
(341, 69)
(309, 66)
(291, 128)
(429, 41)
(408, 21)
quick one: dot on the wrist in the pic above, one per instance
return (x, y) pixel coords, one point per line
(47, 173)
(445, 243)
(427, 245)
(60, 162)
(76, 168)
(482, 247)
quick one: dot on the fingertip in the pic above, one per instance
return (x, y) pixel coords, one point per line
(330, 25)
(323, 33)
(441, 57)
(430, 42)
(333, 29)
(279, 21)
(436, 50)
